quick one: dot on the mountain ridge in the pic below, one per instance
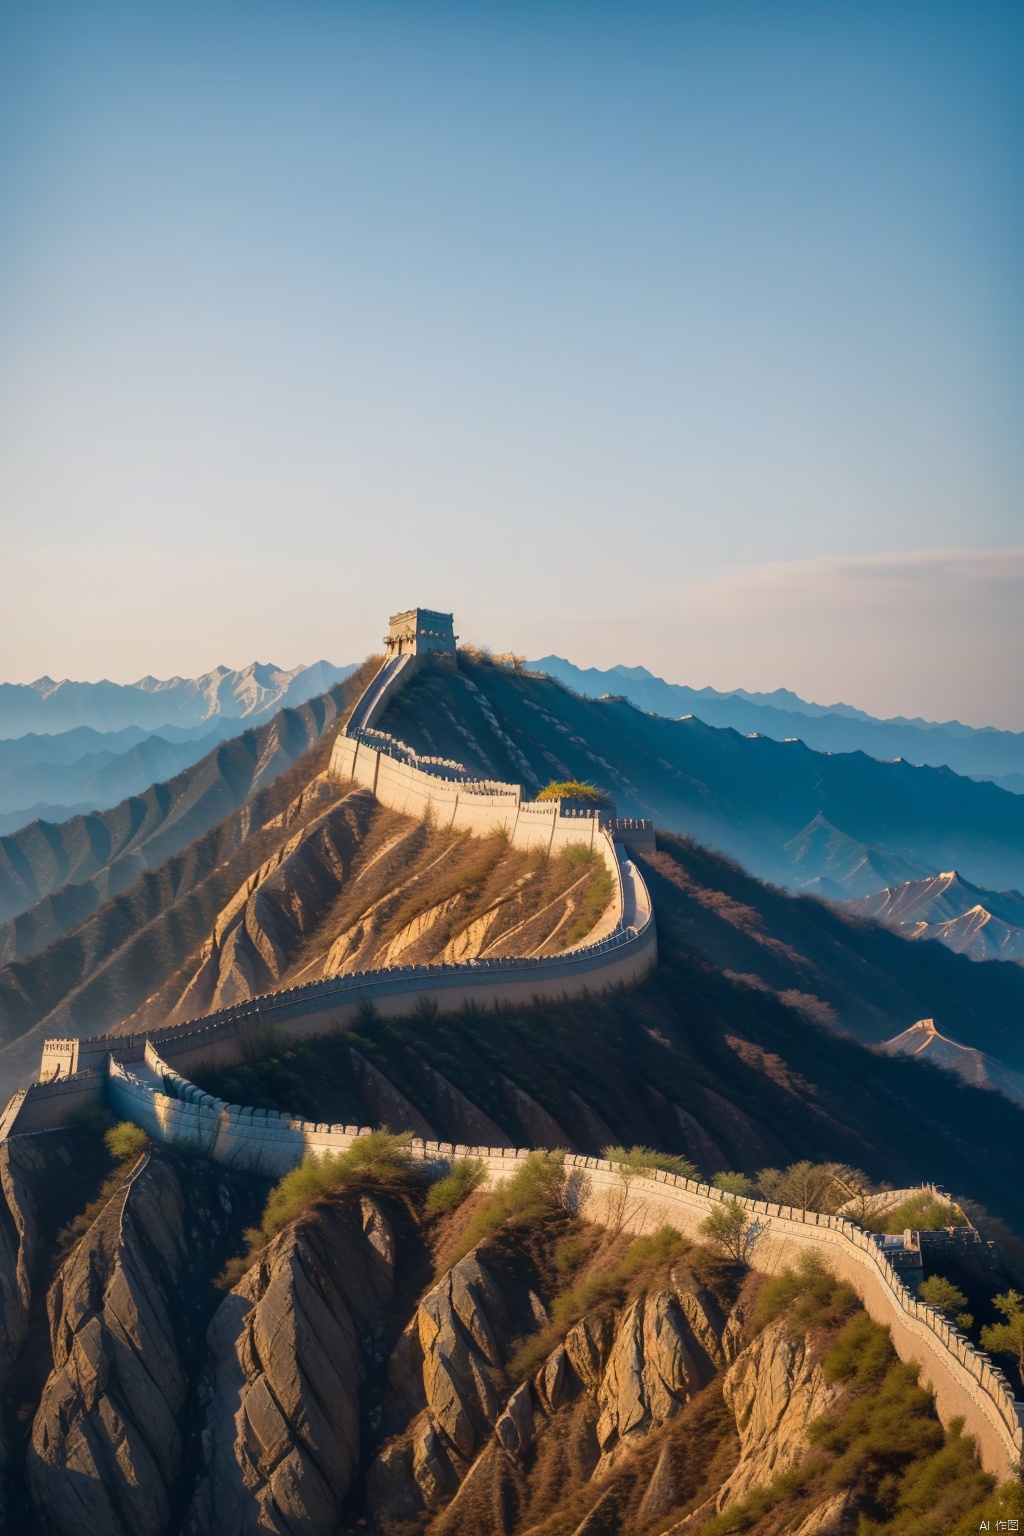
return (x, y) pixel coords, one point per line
(985, 925)
(259, 688)
(983, 752)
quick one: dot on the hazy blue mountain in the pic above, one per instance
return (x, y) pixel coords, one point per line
(100, 779)
(979, 753)
(248, 695)
(755, 798)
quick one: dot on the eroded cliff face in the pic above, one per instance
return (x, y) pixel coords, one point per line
(289, 1351)
(775, 1388)
(106, 1444)
(111, 1448)
(22, 1164)
(344, 1384)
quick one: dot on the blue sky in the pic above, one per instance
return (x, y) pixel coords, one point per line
(687, 335)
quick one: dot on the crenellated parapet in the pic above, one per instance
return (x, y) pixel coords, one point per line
(964, 1381)
(144, 1077)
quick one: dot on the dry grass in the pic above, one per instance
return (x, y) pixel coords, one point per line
(533, 1193)
(612, 1279)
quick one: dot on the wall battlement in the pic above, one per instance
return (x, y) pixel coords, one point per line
(142, 1076)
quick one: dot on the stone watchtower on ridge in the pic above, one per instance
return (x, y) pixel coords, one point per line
(420, 631)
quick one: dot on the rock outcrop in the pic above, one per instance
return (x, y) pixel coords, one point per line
(106, 1445)
(775, 1388)
(23, 1161)
(289, 1350)
(257, 934)
(653, 1368)
(447, 1370)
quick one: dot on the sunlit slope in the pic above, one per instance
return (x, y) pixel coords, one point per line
(986, 925)
(52, 876)
(723, 1054)
(358, 887)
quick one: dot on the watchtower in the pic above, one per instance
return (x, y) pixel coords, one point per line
(419, 631)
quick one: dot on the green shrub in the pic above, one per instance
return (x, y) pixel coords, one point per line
(756, 1506)
(534, 1191)
(727, 1228)
(126, 1141)
(808, 1186)
(641, 1263)
(463, 1177)
(379, 1161)
(810, 1294)
(942, 1294)
(575, 789)
(919, 1213)
(1007, 1338)
(640, 1162)
(571, 1251)
(734, 1184)
(884, 1443)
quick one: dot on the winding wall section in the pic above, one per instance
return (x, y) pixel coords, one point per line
(145, 1078)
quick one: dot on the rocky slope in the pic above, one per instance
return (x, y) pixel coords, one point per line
(357, 886)
(372, 1371)
(87, 859)
(86, 956)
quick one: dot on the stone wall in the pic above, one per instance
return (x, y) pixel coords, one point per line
(48, 1106)
(481, 807)
(144, 1080)
(963, 1380)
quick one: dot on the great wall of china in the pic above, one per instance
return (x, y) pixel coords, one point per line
(144, 1078)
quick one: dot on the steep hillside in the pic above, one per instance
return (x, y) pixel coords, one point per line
(923, 1042)
(91, 961)
(984, 925)
(747, 797)
(729, 1053)
(441, 1362)
(53, 876)
(979, 753)
(357, 886)
(306, 879)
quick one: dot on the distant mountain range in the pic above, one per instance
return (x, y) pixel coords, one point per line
(254, 692)
(923, 1042)
(107, 740)
(791, 815)
(977, 753)
(984, 925)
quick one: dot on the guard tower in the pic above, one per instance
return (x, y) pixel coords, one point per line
(420, 631)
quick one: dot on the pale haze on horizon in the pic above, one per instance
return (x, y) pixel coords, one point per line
(684, 336)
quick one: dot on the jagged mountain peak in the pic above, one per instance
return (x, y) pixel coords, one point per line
(925, 1042)
(985, 925)
(150, 702)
